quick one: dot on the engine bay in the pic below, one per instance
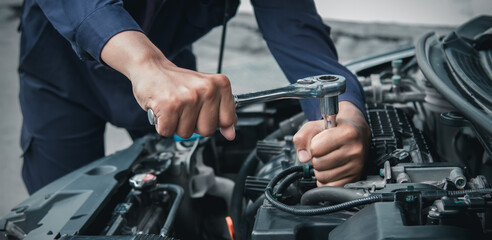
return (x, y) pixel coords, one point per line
(427, 173)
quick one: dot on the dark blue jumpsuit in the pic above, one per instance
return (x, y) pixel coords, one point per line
(68, 94)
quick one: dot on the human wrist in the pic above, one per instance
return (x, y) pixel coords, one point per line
(145, 61)
(131, 53)
(349, 111)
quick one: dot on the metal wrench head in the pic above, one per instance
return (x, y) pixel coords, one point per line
(323, 85)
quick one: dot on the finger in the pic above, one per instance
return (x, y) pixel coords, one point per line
(339, 183)
(349, 170)
(349, 152)
(208, 118)
(188, 117)
(331, 139)
(331, 160)
(302, 139)
(166, 123)
(227, 107)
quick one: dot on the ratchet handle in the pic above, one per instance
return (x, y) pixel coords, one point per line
(322, 86)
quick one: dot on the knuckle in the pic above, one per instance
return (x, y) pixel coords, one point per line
(357, 150)
(222, 81)
(208, 90)
(299, 138)
(171, 103)
(189, 97)
(351, 133)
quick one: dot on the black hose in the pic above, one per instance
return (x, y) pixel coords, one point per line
(315, 211)
(286, 183)
(248, 217)
(331, 194)
(290, 126)
(296, 172)
(248, 168)
(464, 192)
(174, 208)
(302, 170)
(437, 194)
(322, 210)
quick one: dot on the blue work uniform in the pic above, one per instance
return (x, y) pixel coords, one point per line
(68, 94)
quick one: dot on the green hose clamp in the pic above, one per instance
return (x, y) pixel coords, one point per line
(305, 171)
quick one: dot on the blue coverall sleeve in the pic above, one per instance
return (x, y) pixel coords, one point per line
(88, 24)
(301, 44)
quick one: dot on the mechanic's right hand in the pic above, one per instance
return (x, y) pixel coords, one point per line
(186, 101)
(182, 100)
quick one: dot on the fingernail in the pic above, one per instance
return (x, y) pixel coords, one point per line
(303, 156)
(229, 133)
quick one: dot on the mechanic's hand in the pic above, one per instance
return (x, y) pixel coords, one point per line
(337, 153)
(186, 101)
(183, 101)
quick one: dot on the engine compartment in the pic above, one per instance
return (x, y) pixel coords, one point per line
(427, 172)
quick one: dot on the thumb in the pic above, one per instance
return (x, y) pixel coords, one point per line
(302, 140)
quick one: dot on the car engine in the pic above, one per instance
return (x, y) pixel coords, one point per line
(426, 176)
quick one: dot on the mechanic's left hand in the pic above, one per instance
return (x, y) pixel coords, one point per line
(337, 153)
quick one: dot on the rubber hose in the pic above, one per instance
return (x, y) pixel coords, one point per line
(464, 192)
(315, 211)
(287, 182)
(331, 194)
(322, 210)
(443, 193)
(249, 216)
(248, 168)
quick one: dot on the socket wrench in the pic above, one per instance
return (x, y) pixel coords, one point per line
(324, 87)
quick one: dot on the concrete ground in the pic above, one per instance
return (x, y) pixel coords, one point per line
(247, 63)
